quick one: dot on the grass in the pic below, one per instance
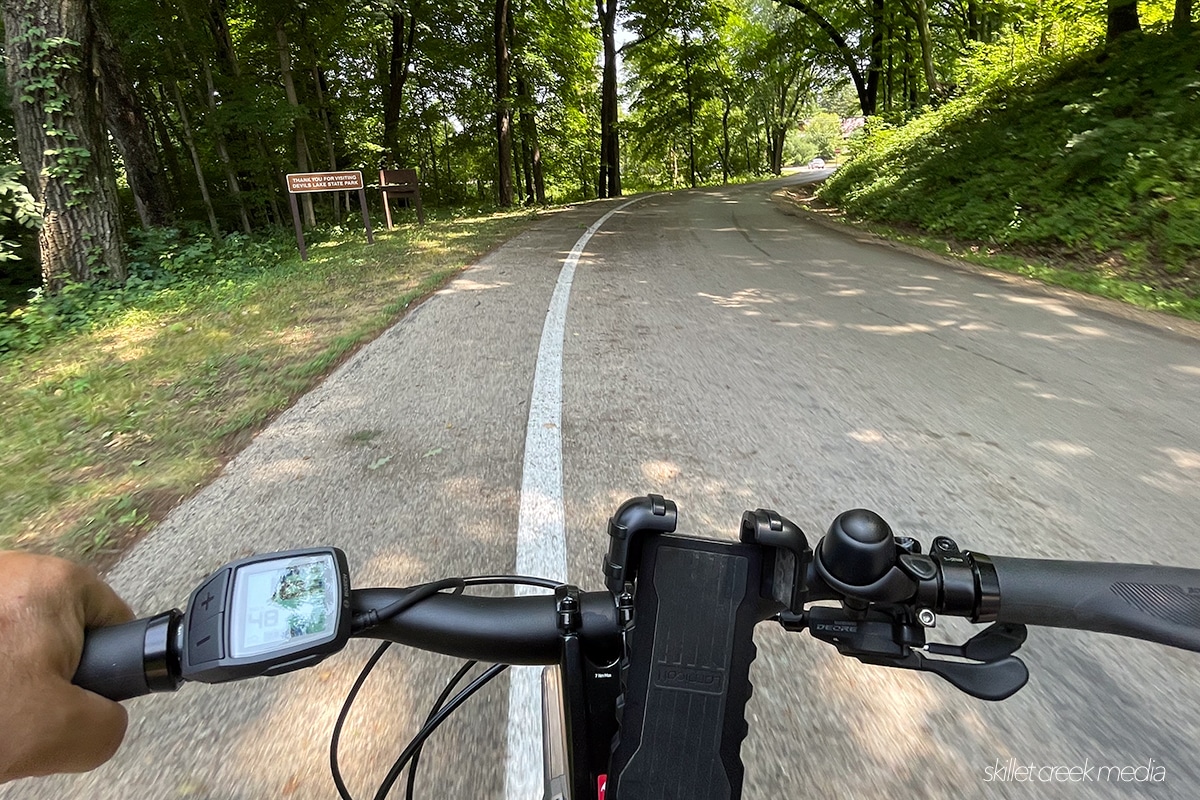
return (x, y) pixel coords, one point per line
(106, 430)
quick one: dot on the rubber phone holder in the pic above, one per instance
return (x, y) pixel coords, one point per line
(686, 671)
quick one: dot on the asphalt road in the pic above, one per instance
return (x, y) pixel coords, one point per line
(728, 356)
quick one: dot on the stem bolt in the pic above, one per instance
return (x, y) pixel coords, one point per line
(927, 618)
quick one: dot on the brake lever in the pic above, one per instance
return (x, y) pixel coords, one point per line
(992, 680)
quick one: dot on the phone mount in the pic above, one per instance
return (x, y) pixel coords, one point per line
(687, 609)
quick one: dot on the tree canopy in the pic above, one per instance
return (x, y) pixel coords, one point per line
(139, 113)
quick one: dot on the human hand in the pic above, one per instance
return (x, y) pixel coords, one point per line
(50, 725)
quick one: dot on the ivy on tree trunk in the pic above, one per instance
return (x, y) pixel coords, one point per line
(61, 138)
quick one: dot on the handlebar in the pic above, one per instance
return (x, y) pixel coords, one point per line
(887, 587)
(668, 647)
(505, 630)
(142, 656)
(1158, 604)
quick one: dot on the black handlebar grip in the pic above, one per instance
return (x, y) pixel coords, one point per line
(133, 659)
(1159, 604)
(113, 661)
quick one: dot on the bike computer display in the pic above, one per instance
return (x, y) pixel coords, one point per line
(266, 615)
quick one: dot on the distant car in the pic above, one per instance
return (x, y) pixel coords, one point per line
(817, 163)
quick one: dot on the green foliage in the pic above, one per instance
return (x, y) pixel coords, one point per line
(106, 429)
(676, 74)
(164, 265)
(1098, 155)
(799, 149)
(824, 131)
(17, 210)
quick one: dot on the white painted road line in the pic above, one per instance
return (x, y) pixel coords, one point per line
(541, 537)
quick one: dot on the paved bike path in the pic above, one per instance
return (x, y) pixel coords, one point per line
(730, 357)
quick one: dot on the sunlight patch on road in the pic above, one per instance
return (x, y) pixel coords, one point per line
(1184, 459)
(1050, 305)
(743, 298)
(660, 471)
(283, 469)
(1061, 448)
(894, 330)
(468, 285)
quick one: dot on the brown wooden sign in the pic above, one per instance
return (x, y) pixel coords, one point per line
(299, 182)
(305, 182)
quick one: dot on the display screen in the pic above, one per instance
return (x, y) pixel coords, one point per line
(282, 604)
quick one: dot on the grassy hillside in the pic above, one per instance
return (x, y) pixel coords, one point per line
(1092, 163)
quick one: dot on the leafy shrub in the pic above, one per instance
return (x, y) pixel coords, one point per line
(1099, 154)
(163, 263)
(797, 149)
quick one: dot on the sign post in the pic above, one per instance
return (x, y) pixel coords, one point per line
(305, 182)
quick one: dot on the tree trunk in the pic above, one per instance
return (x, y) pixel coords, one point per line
(519, 196)
(227, 60)
(504, 165)
(689, 92)
(446, 159)
(910, 79)
(1182, 22)
(925, 36)
(235, 186)
(775, 140)
(289, 88)
(219, 27)
(127, 120)
(609, 184)
(403, 32)
(875, 62)
(190, 141)
(535, 181)
(1122, 18)
(727, 105)
(974, 32)
(50, 47)
(433, 166)
(327, 125)
(890, 82)
(165, 141)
